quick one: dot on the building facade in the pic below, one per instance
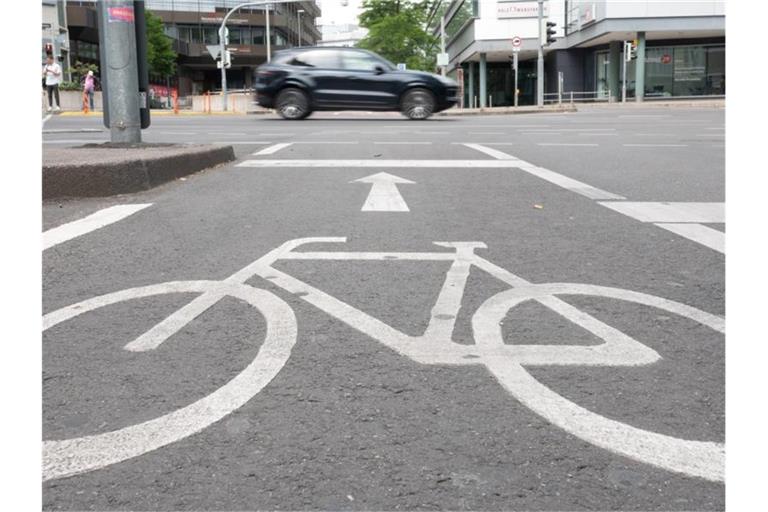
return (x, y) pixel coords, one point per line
(347, 34)
(192, 26)
(55, 38)
(680, 48)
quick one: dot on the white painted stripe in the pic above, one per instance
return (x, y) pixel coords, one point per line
(46, 118)
(703, 235)
(404, 142)
(487, 133)
(90, 223)
(710, 213)
(325, 142)
(655, 145)
(495, 153)
(252, 142)
(178, 133)
(273, 149)
(382, 163)
(709, 135)
(565, 144)
(550, 176)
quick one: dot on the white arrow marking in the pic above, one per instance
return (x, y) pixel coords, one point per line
(384, 195)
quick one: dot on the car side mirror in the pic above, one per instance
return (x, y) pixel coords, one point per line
(379, 70)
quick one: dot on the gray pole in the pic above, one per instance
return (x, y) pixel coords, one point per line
(298, 18)
(442, 41)
(514, 60)
(624, 75)
(540, 62)
(121, 75)
(269, 37)
(640, 67)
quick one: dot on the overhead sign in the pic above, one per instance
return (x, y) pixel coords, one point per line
(507, 10)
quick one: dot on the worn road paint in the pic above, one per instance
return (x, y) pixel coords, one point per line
(384, 195)
(585, 144)
(655, 145)
(101, 218)
(269, 150)
(545, 174)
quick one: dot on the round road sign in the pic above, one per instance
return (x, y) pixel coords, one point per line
(516, 42)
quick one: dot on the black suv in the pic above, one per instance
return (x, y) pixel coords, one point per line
(301, 80)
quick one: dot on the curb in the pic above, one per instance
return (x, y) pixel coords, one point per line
(120, 172)
(506, 110)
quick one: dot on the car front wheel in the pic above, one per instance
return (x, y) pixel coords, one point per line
(292, 104)
(418, 104)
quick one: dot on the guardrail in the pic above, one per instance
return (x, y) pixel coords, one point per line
(572, 97)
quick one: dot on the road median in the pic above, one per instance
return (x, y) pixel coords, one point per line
(100, 170)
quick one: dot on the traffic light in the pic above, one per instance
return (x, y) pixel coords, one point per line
(551, 32)
(49, 48)
(633, 50)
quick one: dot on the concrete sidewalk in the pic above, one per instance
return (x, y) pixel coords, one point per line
(99, 170)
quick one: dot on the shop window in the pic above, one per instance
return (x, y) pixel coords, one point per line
(715, 78)
(660, 71)
(257, 36)
(690, 71)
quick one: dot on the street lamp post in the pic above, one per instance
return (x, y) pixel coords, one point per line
(298, 15)
(269, 36)
(222, 44)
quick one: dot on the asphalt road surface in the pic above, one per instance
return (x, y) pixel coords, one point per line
(284, 332)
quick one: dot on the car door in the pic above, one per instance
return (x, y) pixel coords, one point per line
(320, 70)
(367, 80)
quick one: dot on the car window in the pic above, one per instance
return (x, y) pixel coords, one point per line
(361, 61)
(316, 59)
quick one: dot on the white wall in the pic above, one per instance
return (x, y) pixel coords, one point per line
(668, 8)
(489, 27)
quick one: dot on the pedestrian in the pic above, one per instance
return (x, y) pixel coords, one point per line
(89, 86)
(52, 74)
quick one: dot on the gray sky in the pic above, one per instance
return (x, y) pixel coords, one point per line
(334, 13)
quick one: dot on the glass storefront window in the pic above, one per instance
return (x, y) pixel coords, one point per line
(715, 76)
(659, 71)
(602, 75)
(257, 36)
(690, 71)
(466, 10)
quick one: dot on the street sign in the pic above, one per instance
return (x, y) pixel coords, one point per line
(214, 50)
(442, 59)
(401, 66)
(516, 42)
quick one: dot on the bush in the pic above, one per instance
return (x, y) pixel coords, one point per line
(69, 86)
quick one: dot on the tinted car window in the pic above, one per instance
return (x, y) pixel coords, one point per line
(315, 59)
(361, 61)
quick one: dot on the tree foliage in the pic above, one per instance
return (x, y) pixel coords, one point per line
(396, 31)
(160, 54)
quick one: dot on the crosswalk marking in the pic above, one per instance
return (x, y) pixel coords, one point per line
(382, 163)
(269, 150)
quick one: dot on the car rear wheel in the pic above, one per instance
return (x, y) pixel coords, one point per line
(418, 104)
(292, 104)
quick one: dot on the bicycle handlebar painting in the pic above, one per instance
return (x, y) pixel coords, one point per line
(506, 362)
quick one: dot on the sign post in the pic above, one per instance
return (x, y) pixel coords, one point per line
(627, 58)
(516, 43)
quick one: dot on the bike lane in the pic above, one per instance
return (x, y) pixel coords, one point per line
(347, 423)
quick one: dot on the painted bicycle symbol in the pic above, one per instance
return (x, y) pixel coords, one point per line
(506, 362)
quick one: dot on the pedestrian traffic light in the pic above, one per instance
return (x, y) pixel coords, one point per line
(633, 50)
(49, 48)
(551, 32)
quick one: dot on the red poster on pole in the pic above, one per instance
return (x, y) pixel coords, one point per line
(120, 14)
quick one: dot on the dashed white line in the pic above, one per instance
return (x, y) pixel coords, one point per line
(269, 150)
(404, 142)
(585, 144)
(655, 145)
(90, 223)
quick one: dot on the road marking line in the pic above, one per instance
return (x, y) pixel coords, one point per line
(709, 135)
(550, 176)
(404, 142)
(46, 118)
(75, 141)
(101, 218)
(325, 142)
(709, 213)
(495, 153)
(703, 235)
(384, 195)
(566, 144)
(487, 133)
(178, 133)
(384, 163)
(273, 149)
(252, 142)
(655, 145)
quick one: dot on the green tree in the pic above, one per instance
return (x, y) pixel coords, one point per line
(160, 54)
(396, 31)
